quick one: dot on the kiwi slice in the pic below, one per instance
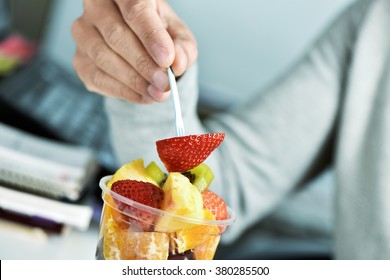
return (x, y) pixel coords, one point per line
(156, 173)
(200, 176)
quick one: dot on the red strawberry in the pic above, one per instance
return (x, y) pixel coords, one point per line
(215, 204)
(180, 154)
(142, 192)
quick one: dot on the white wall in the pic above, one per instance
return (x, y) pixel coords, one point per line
(242, 44)
(58, 42)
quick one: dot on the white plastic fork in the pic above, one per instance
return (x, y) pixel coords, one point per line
(176, 102)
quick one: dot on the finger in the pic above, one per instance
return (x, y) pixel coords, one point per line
(107, 60)
(124, 42)
(158, 94)
(186, 51)
(179, 65)
(186, 55)
(98, 81)
(142, 17)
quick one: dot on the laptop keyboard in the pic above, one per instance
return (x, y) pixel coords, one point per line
(56, 99)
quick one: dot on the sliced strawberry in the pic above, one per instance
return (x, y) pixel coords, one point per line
(142, 192)
(215, 204)
(180, 154)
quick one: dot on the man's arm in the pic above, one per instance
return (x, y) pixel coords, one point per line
(273, 143)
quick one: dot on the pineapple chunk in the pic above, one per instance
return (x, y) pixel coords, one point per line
(180, 198)
(133, 170)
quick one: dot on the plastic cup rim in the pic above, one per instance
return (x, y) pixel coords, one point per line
(159, 212)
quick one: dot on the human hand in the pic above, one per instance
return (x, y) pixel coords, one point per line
(125, 46)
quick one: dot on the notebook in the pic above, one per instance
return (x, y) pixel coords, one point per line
(45, 167)
(41, 209)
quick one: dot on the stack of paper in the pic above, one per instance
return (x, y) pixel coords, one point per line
(41, 181)
(77, 216)
(43, 166)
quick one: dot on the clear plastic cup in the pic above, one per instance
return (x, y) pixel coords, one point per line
(126, 231)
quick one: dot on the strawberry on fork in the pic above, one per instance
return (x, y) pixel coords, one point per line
(180, 154)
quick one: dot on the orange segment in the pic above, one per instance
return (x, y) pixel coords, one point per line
(120, 243)
(151, 245)
(109, 211)
(130, 245)
(108, 229)
(111, 223)
(198, 236)
(206, 251)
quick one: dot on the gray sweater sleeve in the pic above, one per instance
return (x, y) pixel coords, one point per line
(284, 135)
(273, 142)
(134, 128)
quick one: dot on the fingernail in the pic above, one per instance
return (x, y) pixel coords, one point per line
(157, 94)
(160, 80)
(161, 55)
(154, 92)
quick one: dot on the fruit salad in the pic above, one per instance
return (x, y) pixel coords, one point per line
(153, 214)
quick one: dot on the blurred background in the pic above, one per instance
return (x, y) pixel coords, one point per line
(243, 46)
